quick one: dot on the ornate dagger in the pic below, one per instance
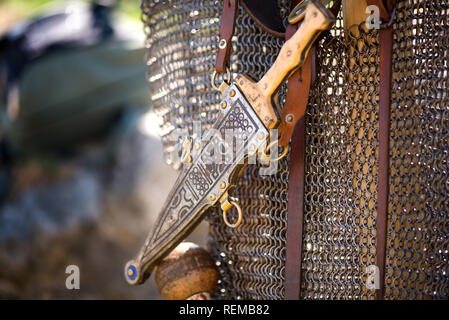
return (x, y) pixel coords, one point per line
(248, 111)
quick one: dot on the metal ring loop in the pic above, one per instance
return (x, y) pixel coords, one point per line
(239, 219)
(387, 24)
(214, 75)
(267, 149)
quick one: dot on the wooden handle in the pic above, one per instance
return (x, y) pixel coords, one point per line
(294, 51)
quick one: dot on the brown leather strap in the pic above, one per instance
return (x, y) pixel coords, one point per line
(228, 16)
(295, 105)
(267, 16)
(336, 7)
(298, 89)
(386, 44)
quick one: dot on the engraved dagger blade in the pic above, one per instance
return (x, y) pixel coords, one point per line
(201, 182)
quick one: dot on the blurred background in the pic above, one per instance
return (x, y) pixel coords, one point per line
(82, 176)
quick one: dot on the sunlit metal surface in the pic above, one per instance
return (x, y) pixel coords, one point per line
(341, 151)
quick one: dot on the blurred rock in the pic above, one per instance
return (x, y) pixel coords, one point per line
(94, 212)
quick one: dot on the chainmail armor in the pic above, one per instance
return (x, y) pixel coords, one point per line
(341, 151)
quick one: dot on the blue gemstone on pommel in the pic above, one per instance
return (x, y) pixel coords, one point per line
(131, 272)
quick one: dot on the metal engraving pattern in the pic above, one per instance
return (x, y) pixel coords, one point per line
(341, 151)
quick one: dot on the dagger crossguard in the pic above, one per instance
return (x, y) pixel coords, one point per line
(242, 128)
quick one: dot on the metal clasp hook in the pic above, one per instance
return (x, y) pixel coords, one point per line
(187, 147)
(227, 205)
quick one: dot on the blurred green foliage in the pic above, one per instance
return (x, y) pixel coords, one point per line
(25, 8)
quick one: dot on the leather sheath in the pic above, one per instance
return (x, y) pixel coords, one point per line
(298, 88)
